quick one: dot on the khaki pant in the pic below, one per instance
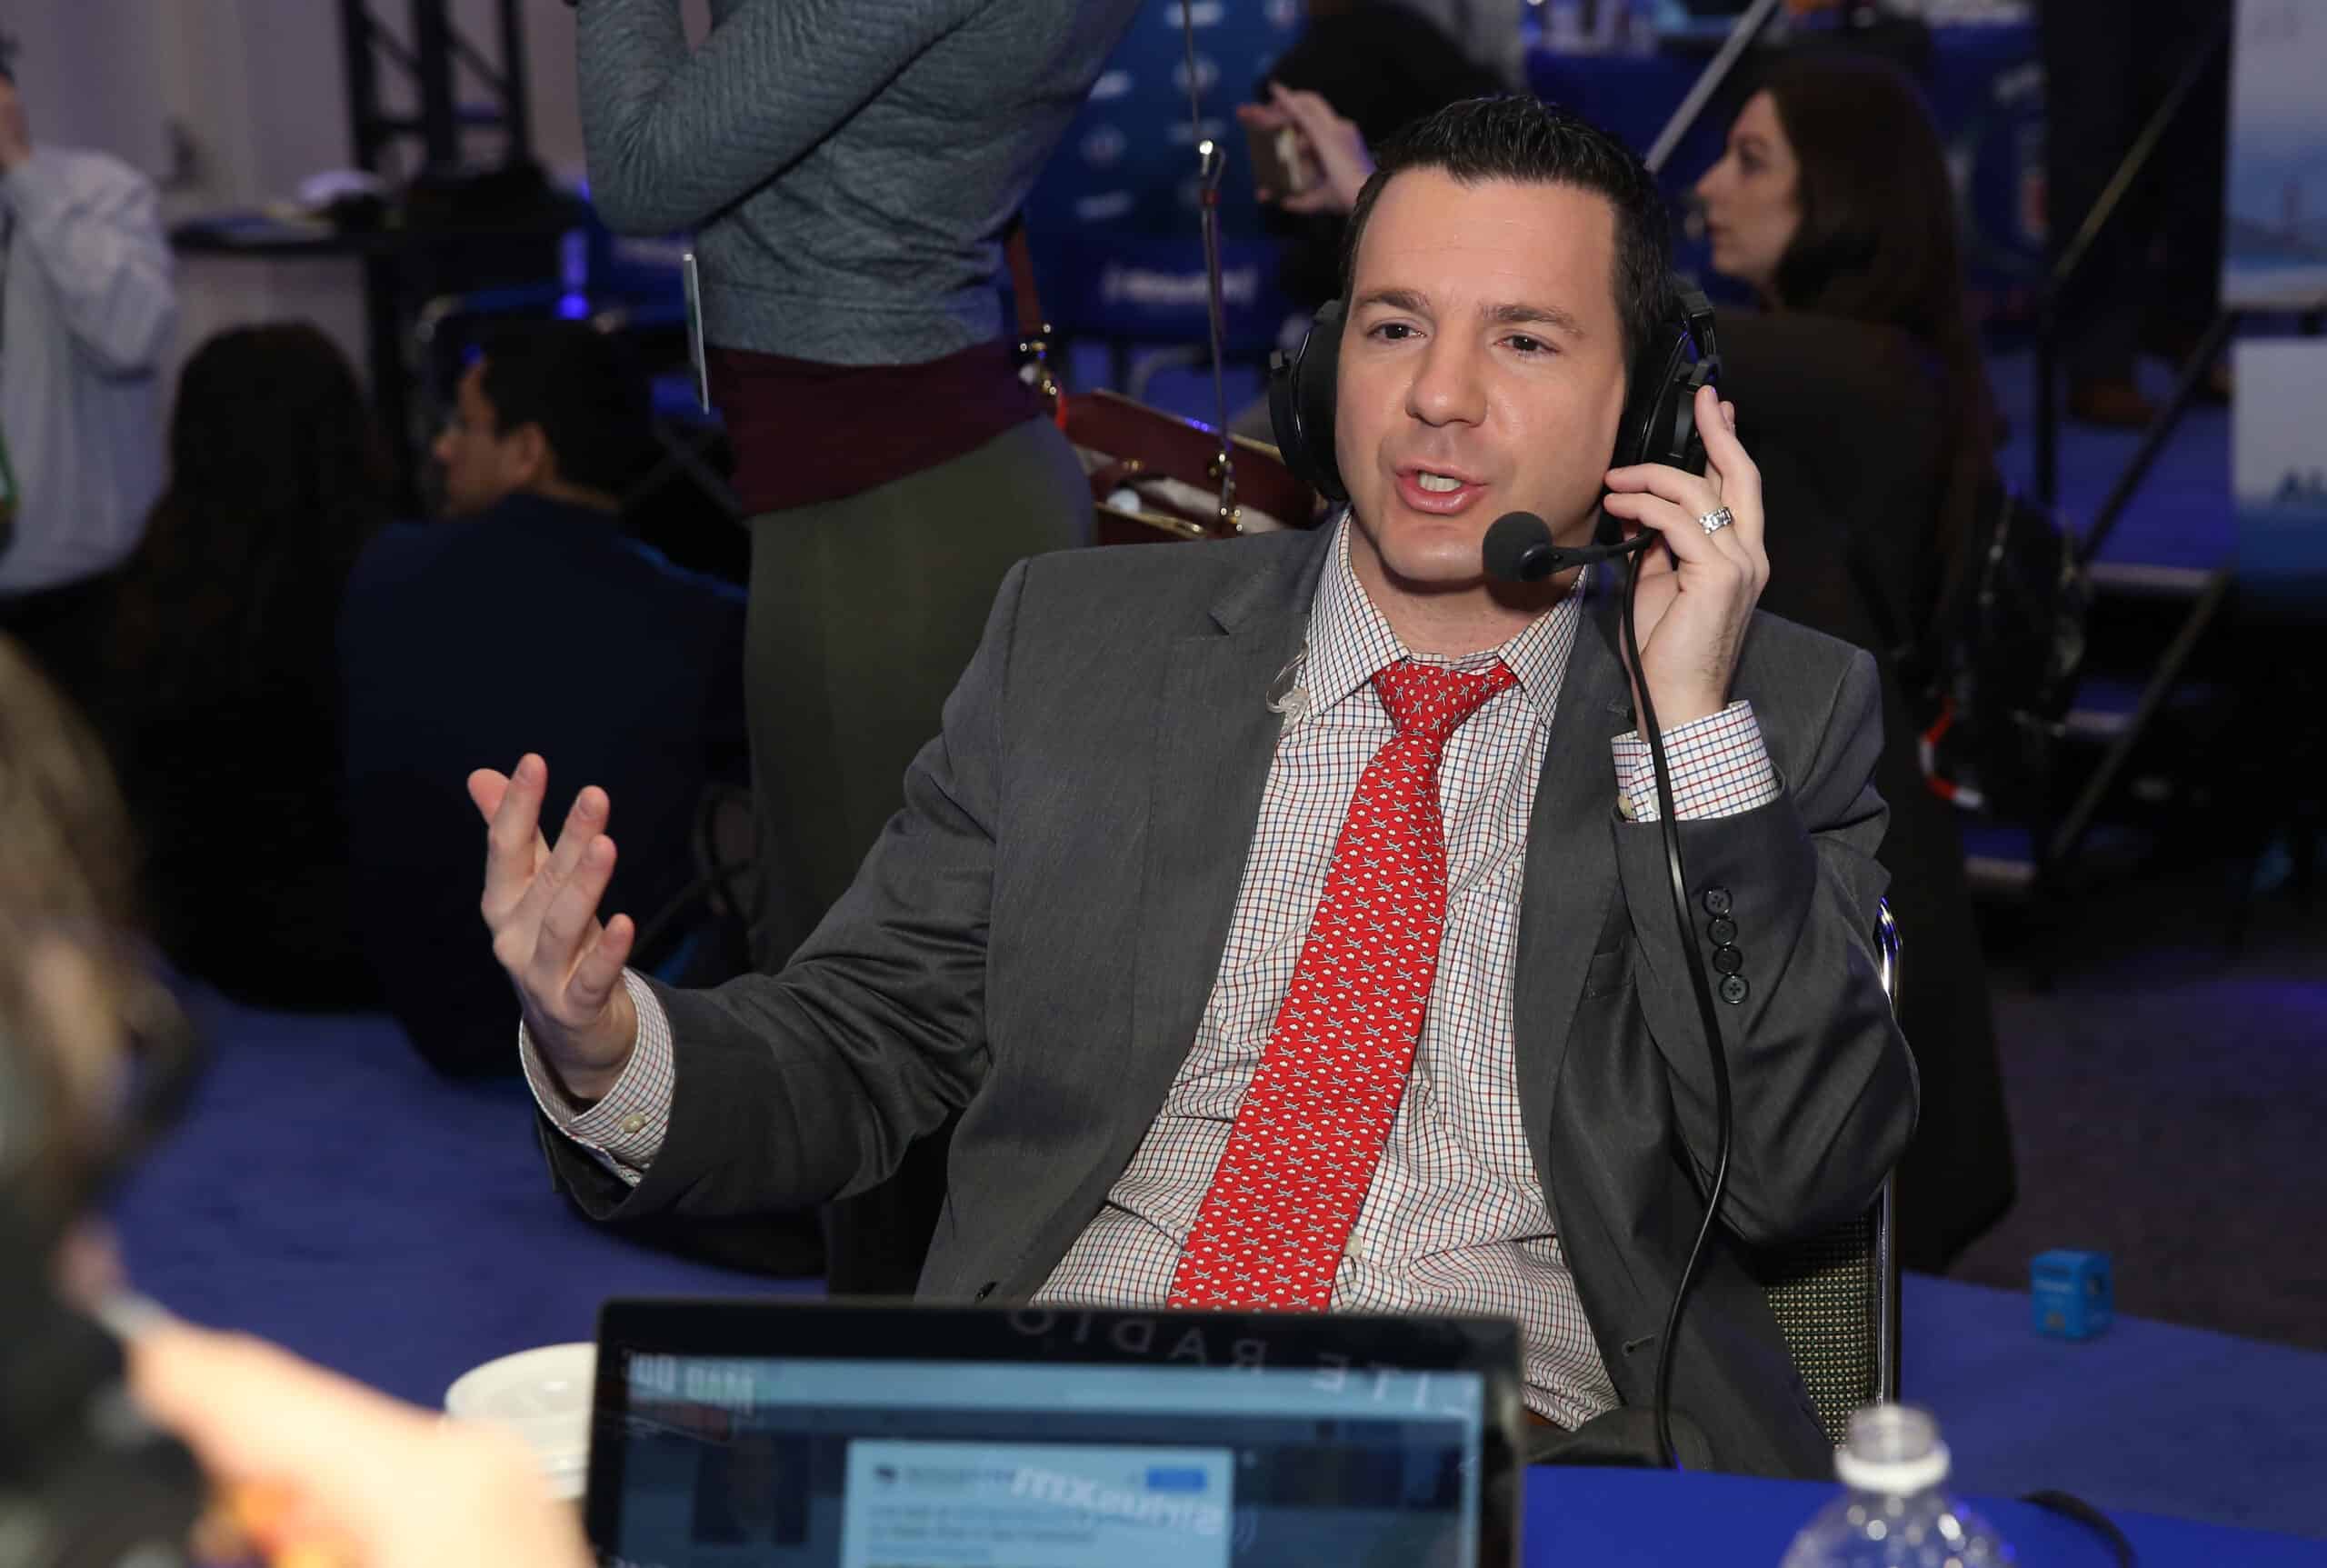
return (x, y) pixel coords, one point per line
(863, 613)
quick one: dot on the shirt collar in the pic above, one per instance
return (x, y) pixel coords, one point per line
(1349, 640)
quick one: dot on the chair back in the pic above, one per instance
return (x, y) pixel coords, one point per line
(1835, 1293)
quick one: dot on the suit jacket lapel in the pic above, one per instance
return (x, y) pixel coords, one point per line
(1215, 737)
(1571, 860)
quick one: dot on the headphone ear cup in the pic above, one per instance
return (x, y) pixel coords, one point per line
(1301, 392)
(1660, 411)
(1688, 441)
(1644, 416)
(1636, 437)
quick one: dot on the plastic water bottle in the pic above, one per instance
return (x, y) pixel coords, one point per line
(1897, 1514)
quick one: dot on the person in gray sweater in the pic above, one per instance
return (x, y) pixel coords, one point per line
(847, 168)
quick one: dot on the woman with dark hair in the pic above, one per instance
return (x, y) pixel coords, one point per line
(1860, 389)
(1833, 199)
(220, 697)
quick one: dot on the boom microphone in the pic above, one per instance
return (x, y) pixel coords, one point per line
(1519, 549)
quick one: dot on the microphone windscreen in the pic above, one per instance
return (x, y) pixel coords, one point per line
(1518, 549)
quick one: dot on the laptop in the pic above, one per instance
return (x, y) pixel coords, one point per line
(837, 1434)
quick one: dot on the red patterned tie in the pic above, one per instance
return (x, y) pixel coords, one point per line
(1311, 1129)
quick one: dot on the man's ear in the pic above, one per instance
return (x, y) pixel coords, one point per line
(530, 458)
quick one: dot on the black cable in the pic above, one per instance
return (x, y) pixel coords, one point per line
(1665, 816)
(2068, 1505)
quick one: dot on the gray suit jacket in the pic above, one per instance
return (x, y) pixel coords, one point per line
(1034, 936)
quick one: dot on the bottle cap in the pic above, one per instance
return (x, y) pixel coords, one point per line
(1892, 1448)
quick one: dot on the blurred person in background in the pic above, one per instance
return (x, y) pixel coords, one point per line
(454, 643)
(312, 1466)
(1487, 30)
(217, 693)
(1360, 72)
(87, 310)
(1862, 389)
(849, 167)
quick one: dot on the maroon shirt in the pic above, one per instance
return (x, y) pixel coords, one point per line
(805, 432)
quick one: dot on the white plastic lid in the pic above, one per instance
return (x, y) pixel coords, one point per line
(544, 1397)
(1894, 1449)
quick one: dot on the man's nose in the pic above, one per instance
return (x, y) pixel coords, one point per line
(1446, 388)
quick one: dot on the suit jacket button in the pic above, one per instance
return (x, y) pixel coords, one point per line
(1727, 960)
(1723, 931)
(1716, 902)
(1734, 989)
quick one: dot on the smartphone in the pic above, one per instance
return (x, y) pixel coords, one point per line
(1282, 163)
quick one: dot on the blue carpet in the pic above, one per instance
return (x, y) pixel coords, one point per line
(331, 1194)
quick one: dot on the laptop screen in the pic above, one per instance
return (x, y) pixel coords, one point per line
(1041, 1440)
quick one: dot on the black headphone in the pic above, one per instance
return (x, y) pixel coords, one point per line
(1660, 420)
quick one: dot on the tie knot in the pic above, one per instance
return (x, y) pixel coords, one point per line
(1434, 700)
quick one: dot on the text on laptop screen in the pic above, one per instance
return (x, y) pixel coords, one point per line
(892, 1464)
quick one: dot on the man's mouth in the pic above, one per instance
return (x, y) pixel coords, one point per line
(1438, 490)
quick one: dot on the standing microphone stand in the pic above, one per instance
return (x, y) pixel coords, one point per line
(1211, 164)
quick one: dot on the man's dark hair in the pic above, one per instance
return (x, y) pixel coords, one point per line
(278, 477)
(1533, 143)
(584, 391)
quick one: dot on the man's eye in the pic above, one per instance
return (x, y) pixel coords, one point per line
(1395, 330)
(1525, 345)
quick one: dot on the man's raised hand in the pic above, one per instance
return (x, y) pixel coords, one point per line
(542, 906)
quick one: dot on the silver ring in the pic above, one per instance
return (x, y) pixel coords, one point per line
(1713, 522)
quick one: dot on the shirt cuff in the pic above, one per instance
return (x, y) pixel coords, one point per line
(625, 1129)
(1720, 768)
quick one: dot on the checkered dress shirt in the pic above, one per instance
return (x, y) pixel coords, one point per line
(1456, 1221)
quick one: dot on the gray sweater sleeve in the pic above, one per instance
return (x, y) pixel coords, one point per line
(674, 136)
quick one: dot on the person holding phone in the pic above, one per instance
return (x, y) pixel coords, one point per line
(1358, 75)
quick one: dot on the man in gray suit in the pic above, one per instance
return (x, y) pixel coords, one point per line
(1186, 833)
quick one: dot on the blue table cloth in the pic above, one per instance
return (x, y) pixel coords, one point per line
(1645, 1519)
(330, 1192)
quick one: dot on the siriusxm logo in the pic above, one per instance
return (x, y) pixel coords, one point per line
(1167, 1505)
(1103, 146)
(1146, 286)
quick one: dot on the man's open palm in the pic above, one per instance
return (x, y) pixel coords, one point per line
(542, 906)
